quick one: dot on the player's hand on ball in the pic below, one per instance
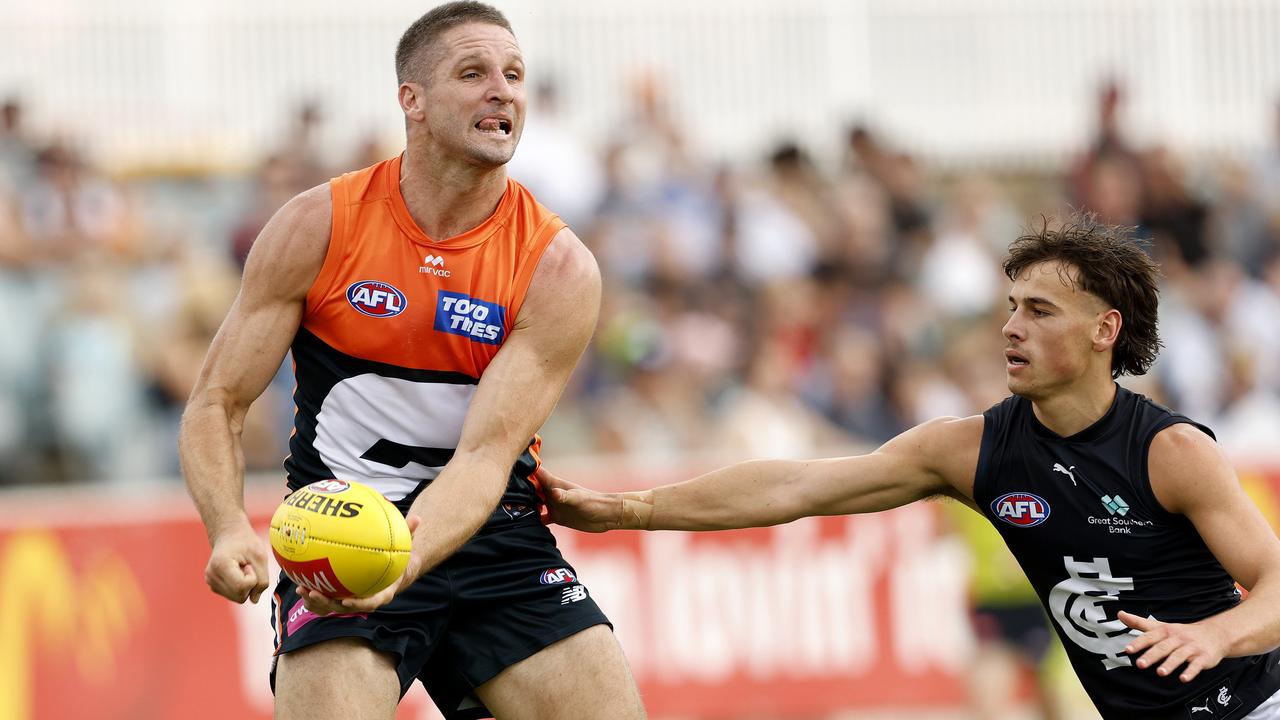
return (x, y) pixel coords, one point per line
(1169, 646)
(321, 604)
(237, 568)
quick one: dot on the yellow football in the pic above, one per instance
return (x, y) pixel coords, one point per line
(341, 538)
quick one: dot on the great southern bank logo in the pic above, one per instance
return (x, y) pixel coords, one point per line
(376, 299)
(460, 314)
(1021, 508)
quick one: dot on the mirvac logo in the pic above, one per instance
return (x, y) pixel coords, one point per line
(459, 314)
(1021, 508)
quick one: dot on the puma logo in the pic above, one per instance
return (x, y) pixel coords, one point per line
(1057, 467)
(1205, 708)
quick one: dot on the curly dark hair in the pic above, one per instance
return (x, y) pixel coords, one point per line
(1110, 263)
(425, 30)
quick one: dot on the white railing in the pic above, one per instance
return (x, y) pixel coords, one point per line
(958, 81)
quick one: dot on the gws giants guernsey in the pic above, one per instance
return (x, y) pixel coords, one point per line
(1080, 516)
(397, 331)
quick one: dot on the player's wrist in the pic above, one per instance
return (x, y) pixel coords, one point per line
(229, 525)
(637, 510)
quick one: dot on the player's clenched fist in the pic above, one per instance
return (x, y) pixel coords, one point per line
(237, 566)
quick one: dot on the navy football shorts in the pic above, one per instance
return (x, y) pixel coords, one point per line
(505, 595)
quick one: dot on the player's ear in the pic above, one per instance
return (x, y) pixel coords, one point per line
(1106, 332)
(413, 101)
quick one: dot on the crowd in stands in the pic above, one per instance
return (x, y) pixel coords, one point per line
(771, 306)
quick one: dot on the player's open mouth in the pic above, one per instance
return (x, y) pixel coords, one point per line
(1013, 357)
(494, 126)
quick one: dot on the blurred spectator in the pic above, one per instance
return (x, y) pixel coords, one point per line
(17, 150)
(97, 398)
(1240, 227)
(277, 180)
(797, 184)
(68, 210)
(554, 163)
(959, 270)
(1176, 220)
(762, 418)
(1109, 147)
(302, 146)
(850, 386)
(770, 243)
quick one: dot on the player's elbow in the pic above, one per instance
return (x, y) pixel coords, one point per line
(213, 402)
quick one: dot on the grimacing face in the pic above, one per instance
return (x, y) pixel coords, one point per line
(473, 102)
(1057, 334)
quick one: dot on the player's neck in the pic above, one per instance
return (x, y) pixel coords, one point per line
(1068, 412)
(447, 200)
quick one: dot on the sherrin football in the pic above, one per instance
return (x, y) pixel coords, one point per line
(341, 538)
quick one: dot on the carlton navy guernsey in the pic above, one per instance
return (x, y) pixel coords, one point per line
(1079, 514)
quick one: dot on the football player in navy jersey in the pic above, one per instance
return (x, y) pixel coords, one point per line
(1127, 517)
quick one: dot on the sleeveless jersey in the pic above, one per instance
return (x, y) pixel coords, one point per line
(1080, 516)
(396, 332)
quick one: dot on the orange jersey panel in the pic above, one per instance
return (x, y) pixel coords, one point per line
(398, 329)
(390, 294)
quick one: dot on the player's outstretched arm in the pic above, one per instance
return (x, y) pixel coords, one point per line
(938, 457)
(514, 398)
(1191, 475)
(244, 356)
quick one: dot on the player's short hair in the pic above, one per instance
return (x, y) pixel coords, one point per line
(415, 44)
(1108, 262)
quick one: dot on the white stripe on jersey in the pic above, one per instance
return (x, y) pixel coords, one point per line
(361, 411)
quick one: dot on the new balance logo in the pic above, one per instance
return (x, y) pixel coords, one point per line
(433, 265)
(573, 593)
(1057, 467)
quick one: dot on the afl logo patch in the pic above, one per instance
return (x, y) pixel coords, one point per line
(376, 299)
(556, 576)
(329, 486)
(1021, 509)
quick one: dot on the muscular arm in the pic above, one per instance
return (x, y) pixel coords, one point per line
(244, 356)
(1190, 475)
(938, 457)
(514, 398)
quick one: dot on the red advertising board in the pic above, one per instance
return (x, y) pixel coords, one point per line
(104, 612)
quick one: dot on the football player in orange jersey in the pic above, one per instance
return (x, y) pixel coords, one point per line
(435, 312)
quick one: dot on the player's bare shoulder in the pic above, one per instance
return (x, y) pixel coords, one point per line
(949, 448)
(567, 260)
(565, 285)
(291, 249)
(1184, 463)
